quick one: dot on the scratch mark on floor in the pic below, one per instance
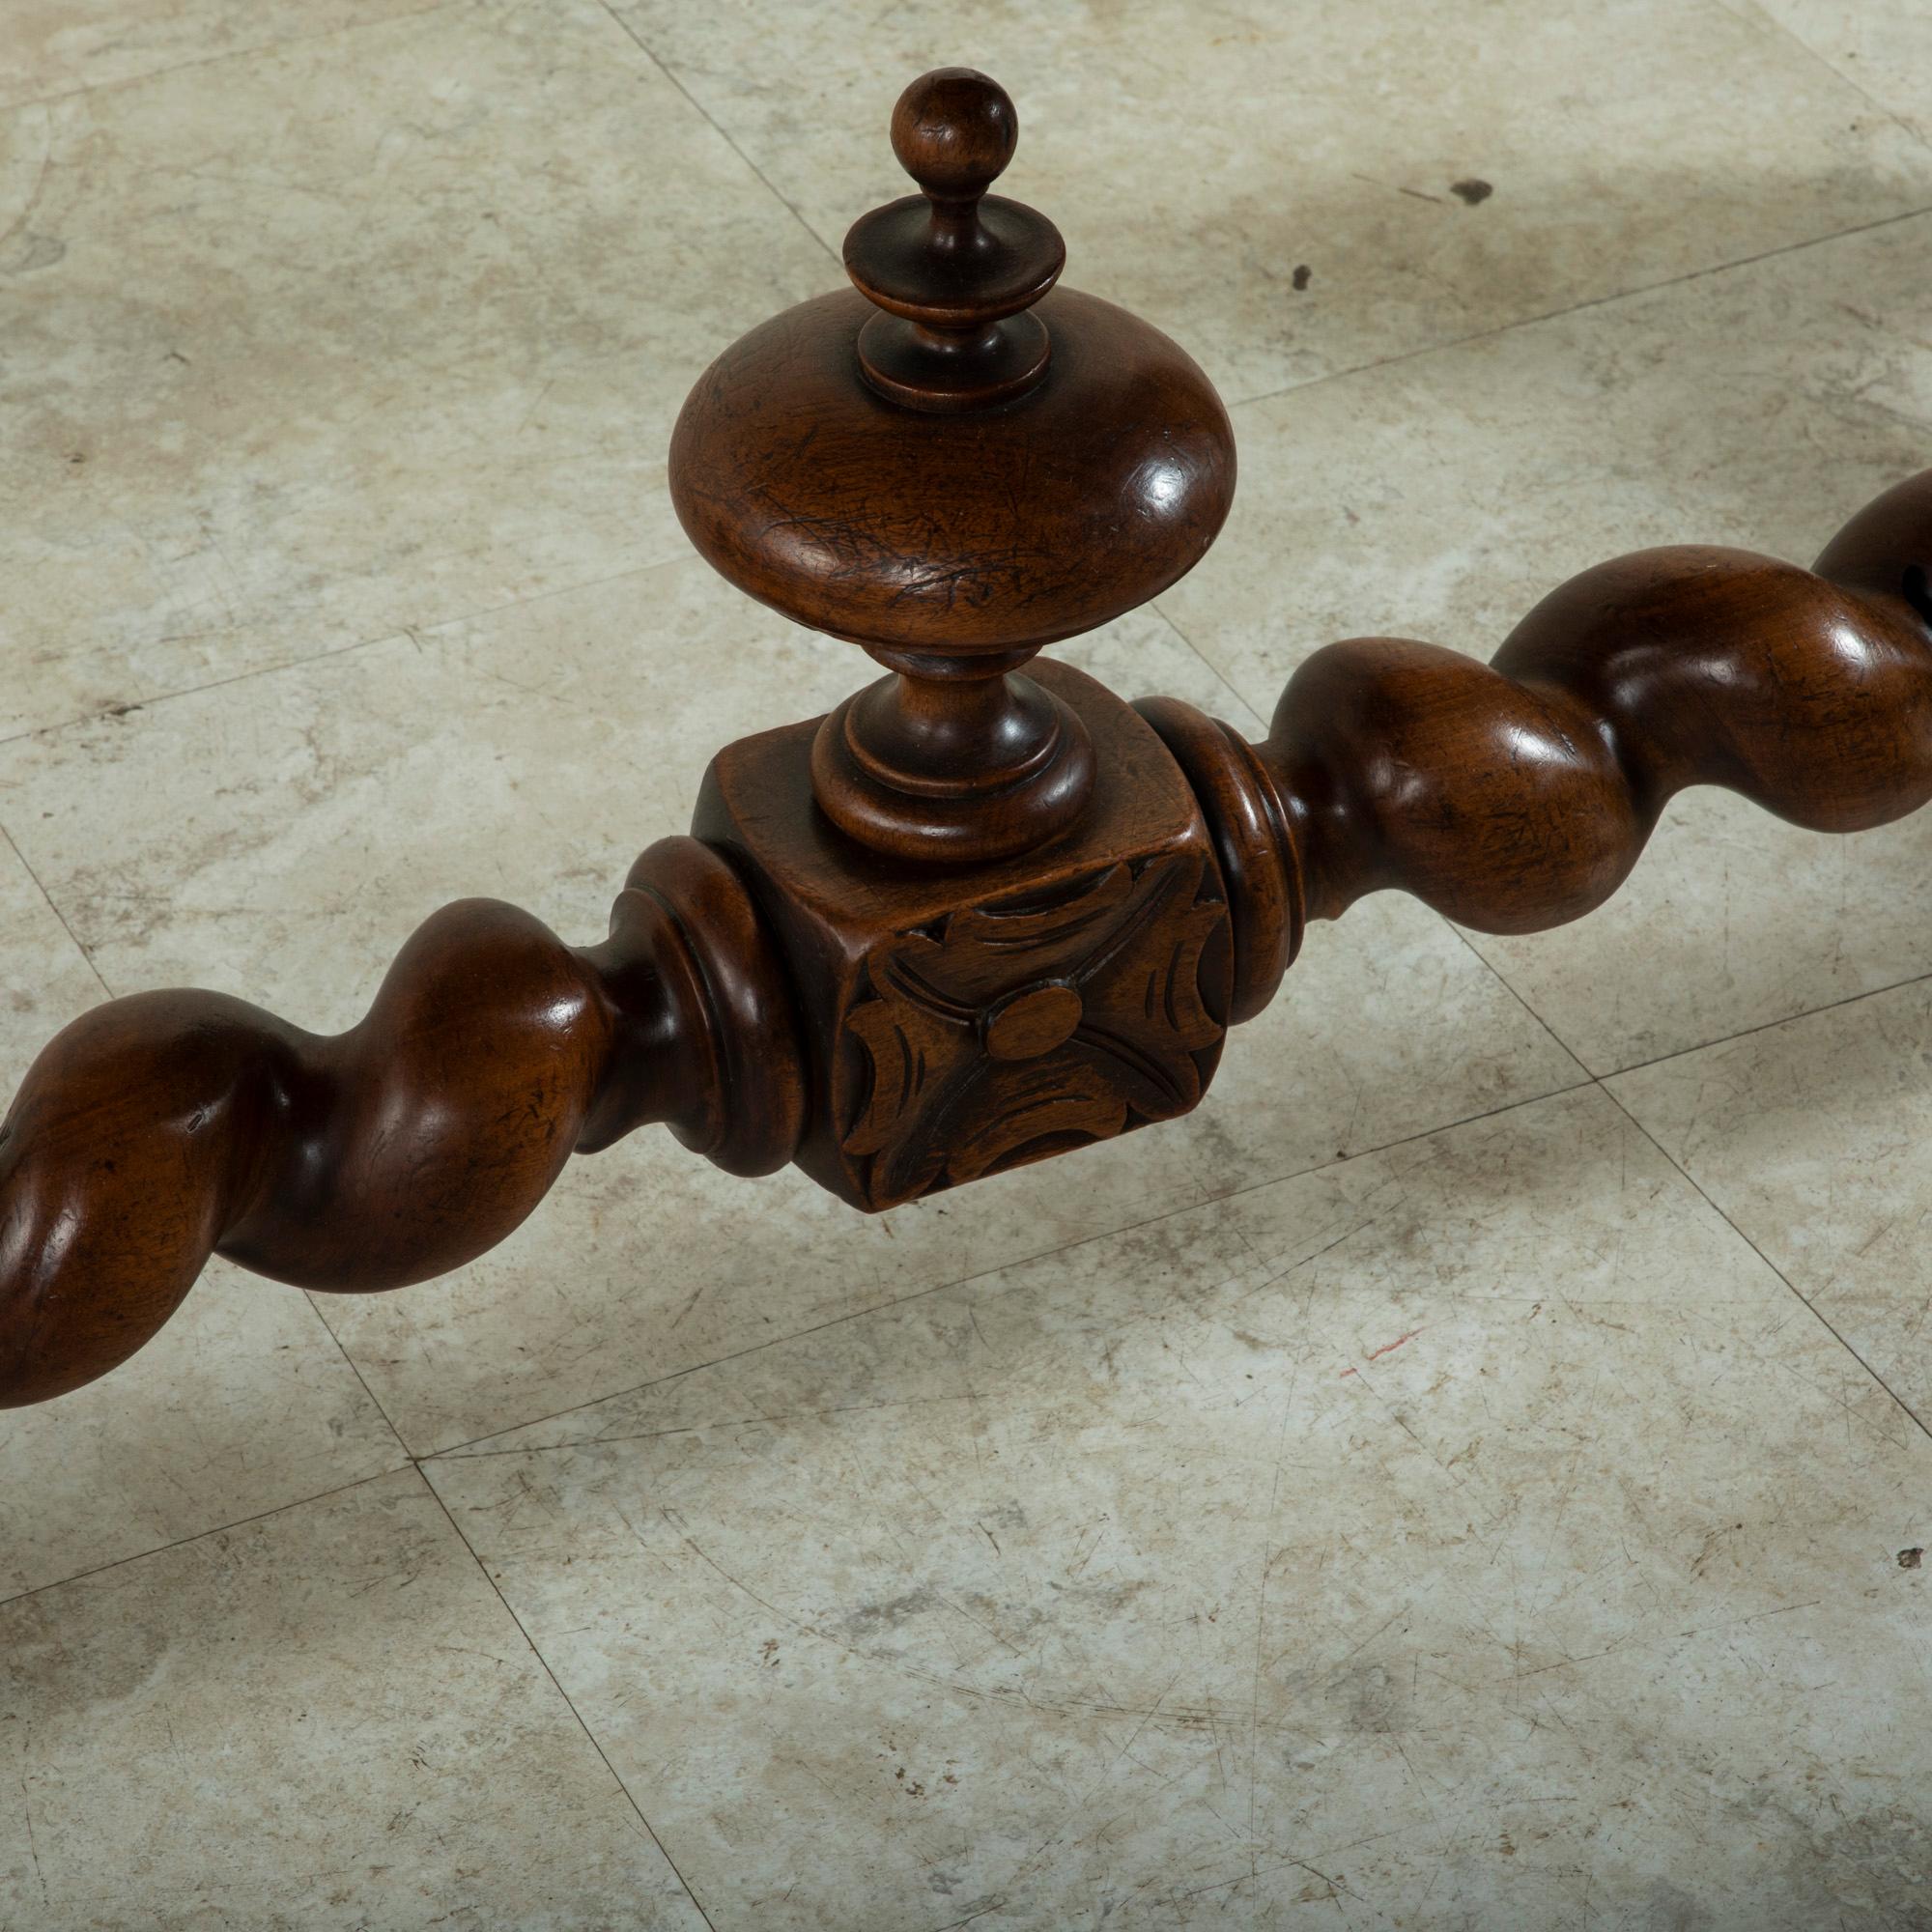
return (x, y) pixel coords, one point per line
(1389, 1348)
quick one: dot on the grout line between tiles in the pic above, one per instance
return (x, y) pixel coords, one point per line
(1590, 1079)
(638, 41)
(1772, 24)
(148, 702)
(200, 1535)
(1563, 1046)
(354, 1369)
(630, 1797)
(1599, 1081)
(1766, 1025)
(13, 847)
(415, 631)
(1824, 1321)
(342, 1489)
(1581, 307)
(1213, 669)
(470, 1448)
(676, 560)
(269, 47)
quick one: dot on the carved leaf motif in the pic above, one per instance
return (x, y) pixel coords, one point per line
(940, 1106)
(1046, 1104)
(912, 1030)
(1143, 999)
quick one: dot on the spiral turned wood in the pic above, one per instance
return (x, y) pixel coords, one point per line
(973, 918)
(160, 1129)
(1517, 795)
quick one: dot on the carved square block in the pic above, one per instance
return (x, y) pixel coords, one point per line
(959, 1020)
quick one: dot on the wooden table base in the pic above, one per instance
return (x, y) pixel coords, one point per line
(977, 916)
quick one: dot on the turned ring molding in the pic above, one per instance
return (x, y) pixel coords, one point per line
(985, 912)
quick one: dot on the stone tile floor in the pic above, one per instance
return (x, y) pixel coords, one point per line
(1467, 1476)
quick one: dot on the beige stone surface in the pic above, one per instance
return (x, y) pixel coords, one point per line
(529, 755)
(1465, 1477)
(1882, 47)
(1195, 157)
(1810, 1136)
(243, 1404)
(1317, 1557)
(350, 334)
(44, 978)
(54, 47)
(1757, 408)
(326, 1716)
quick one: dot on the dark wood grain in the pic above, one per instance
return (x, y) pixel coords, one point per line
(976, 915)
(160, 1129)
(957, 1022)
(1517, 795)
(952, 466)
(951, 270)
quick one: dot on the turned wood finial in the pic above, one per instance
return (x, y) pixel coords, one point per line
(954, 275)
(952, 464)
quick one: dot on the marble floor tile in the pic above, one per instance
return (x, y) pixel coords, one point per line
(349, 335)
(278, 837)
(321, 1718)
(1442, 499)
(1208, 1530)
(44, 978)
(1476, 1534)
(244, 1402)
(1811, 1137)
(1882, 47)
(49, 47)
(1435, 173)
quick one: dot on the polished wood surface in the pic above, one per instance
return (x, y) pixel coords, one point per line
(953, 537)
(1517, 795)
(974, 917)
(959, 1022)
(158, 1129)
(954, 463)
(952, 270)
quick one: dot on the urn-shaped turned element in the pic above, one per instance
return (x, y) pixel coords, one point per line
(952, 464)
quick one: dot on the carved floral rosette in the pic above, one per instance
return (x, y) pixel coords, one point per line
(1017, 1029)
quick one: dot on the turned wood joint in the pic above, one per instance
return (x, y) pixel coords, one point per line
(951, 464)
(985, 911)
(995, 891)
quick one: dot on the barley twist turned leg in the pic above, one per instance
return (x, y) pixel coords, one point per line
(158, 1129)
(1517, 795)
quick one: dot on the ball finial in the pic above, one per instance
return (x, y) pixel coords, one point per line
(953, 132)
(953, 268)
(952, 466)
